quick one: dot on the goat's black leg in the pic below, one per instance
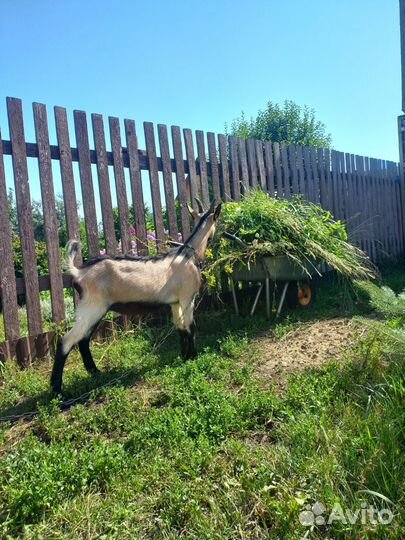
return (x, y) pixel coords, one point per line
(84, 348)
(187, 342)
(183, 334)
(90, 315)
(183, 319)
(58, 365)
(191, 350)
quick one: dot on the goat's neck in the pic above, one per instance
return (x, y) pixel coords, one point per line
(199, 242)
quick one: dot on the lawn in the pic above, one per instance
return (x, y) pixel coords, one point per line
(212, 448)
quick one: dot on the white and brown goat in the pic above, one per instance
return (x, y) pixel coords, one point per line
(111, 283)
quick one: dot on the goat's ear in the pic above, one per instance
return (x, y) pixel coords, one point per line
(217, 211)
(199, 204)
(192, 212)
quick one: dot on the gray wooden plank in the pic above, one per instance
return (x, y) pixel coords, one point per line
(24, 210)
(192, 171)
(213, 156)
(286, 171)
(328, 181)
(49, 212)
(136, 186)
(292, 157)
(315, 176)
(252, 166)
(120, 187)
(154, 184)
(363, 218)
(180, 180)
(349, 194)
(86, 179)
(8, 288)
(104, 184)
(224, 169)
(277, 167)
(370, 208)
(235, 181)
(322, 178)
(335, 184)
(309, 187)
(66, 171)
(388, 209)
(268, 156)
(260, 164)
(244, 173)
(399, 198)
(202, 161)
(168, 180)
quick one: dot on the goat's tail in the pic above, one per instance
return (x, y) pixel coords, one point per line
(72, 248)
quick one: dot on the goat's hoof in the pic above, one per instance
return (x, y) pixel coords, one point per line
(190, 356)
(57, 393)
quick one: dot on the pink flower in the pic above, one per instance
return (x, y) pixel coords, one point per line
(132, 230)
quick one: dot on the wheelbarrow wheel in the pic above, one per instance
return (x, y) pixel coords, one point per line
(301, 294)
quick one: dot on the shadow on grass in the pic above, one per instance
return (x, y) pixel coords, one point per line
(83, 387)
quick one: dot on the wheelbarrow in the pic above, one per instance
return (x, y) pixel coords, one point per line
(275, 268)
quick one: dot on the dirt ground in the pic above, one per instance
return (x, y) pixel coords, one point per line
(309, 345)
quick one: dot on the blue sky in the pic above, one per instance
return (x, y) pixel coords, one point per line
(198, 64)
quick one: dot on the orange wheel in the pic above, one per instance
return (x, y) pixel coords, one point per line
(305, 295)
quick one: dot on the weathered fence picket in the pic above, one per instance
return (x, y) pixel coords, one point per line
(49, 212)
(202, 162)
(86, 179)
(268, 156)
(8, 285)
(104, 184)
(168, 180)
(180, 175)
(136, 186)
(233, 151)
(24, 210)
(119, 175)
(66, 171)
(154, 184)
(224, 169)
(366, 193)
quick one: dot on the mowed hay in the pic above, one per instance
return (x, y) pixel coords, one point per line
(267, 226)
(308, 346)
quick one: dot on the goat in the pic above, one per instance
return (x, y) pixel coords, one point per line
(112, 283)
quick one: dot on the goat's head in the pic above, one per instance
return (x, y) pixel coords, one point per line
(196, 214)
(213, 214)
(205, 226)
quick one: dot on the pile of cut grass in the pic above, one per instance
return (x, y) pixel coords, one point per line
(294, 227)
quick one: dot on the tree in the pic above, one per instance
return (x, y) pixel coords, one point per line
(287, 123)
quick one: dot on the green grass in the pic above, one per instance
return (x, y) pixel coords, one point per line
(200, 449)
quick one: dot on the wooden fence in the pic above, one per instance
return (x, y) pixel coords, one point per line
(365, 192)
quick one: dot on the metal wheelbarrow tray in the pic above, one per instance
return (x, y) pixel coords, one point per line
(275, 268)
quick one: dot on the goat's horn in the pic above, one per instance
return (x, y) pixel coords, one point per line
(199, 204)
